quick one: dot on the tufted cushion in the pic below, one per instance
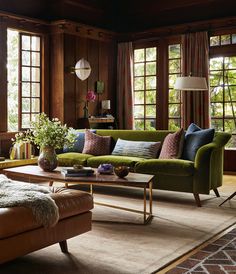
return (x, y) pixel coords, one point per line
(172, 147)
(195, 138)
(96, 145)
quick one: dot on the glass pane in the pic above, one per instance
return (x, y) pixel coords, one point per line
(172, 80)
(230, 77)
(139, 69)
(138, 111)
(35, 89)
(138, 55)
(25, 74)
(150, 82)
(150, 97)
(35, 105)
(174, 51)
(174, 124)
(35, 59)
(225, 39)
(216, 109)
(25, 120)
(215, 41)
(35, 74)
(230, 62)
(151, 68)
(230, 93)
(230, 109)
(150, 124)
(139, 97)
(174, 96)
(217, 124)
(25, 105)
(174, 110)
(25, 58)
(151, 111)
(216, 63)
(25, 89)
(230, 125)
(233, 38)
(139, 83)
(151, 54)
(216, 94)
(139, 124)
(232, 142)
(25, 42)
(216, 78)
(35, 43)
(174, 66)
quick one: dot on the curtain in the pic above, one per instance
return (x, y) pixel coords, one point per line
(125, 86)
(195, 61)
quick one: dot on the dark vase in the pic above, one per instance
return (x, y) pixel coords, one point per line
(86, 112)
(48, 158)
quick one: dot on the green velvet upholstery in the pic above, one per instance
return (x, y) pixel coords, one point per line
(72, 158)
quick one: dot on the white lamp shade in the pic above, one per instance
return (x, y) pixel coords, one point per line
(106, 104)
(191, 83)
(82, 69)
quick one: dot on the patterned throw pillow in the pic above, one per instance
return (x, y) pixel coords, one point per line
(196, 137)
(79, 142)
(147, 150)
(96, 145)
(172, 147)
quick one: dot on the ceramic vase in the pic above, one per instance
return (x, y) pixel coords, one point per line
(48, 159)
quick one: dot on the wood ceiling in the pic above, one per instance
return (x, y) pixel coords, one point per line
(123, 15)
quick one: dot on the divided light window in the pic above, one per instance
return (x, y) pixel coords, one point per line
(24, 79)
(174, 70)
(145, 88)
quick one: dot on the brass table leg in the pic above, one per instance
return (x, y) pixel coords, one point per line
(50, 183)
(147, 216)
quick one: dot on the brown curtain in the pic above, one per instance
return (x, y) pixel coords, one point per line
(195, 61)
(125, 86)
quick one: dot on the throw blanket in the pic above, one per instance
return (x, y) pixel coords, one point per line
(35, 197)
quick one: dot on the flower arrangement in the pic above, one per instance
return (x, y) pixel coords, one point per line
(90, 97)
(46, 132)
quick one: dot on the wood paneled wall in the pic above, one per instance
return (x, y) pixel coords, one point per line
(68, 92)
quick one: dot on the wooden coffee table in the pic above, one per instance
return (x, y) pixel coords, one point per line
(139, 180)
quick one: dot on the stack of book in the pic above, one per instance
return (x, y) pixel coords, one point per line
(72, 172)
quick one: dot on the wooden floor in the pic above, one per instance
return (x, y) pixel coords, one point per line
(229, 181)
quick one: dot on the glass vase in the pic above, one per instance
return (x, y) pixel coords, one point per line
(47, 160)
(86, 113)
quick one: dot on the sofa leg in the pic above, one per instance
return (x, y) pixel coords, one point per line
(64, 247)
(216, 192)
(197, 199)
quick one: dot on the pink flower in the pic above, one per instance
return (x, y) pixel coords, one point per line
(91, 96)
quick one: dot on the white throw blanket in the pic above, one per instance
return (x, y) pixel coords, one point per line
(35, 197)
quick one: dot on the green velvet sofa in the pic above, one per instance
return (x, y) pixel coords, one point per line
(198, 177)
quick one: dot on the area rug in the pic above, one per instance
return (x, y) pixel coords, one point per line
(119, 243)
(217, 257)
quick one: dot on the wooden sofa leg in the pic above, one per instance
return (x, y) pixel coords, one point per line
(64, 247)
(216, 192)
(197, 199)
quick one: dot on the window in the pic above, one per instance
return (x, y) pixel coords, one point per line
(221, 40)
(24, 93)
(174, 70)
(145, 88)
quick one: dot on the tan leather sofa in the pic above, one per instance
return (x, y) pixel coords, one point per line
(20, 234)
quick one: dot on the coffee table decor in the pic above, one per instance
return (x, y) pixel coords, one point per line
(73, 172)
(105, 169)
(121, 171)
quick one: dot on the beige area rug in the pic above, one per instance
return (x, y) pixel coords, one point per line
(115, 247)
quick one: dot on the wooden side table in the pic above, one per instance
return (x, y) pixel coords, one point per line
(96, 122)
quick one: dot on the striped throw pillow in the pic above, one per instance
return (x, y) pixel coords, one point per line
(147, 150)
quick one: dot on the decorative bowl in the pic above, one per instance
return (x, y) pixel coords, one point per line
(121, 171)
(105, 169)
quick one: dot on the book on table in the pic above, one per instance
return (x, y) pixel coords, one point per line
(72, 172)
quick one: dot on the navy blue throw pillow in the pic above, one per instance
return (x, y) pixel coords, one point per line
(196, 137)
(79, 143)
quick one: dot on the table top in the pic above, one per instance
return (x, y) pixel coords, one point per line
(132, 179)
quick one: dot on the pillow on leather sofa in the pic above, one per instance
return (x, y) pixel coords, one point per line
(196, 137)
(147, 150)
(172, 147)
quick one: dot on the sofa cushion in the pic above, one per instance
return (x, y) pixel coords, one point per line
(147, 150)
(114, 160)
(78, 144)
(175, 167)
(96, 145)
(196, 137)
(172, 147)
(72, 158)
